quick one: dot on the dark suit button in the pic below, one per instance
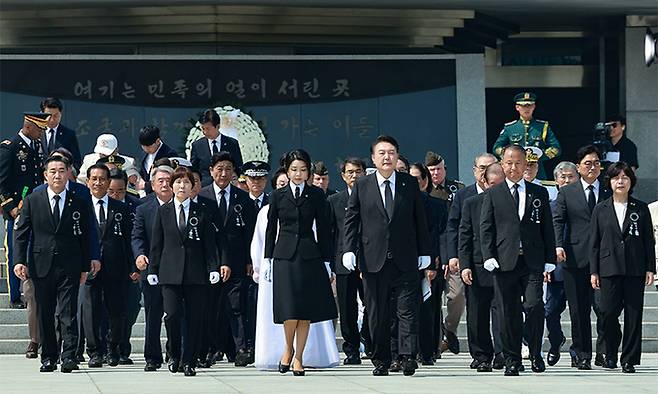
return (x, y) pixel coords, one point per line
(389, 255)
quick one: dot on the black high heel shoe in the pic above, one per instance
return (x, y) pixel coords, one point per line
(284, 368)
(298, 373)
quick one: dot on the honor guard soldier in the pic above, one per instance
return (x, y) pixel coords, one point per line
(528, 131)
(21, 159)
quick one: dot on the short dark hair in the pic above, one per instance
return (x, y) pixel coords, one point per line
(616, 169)
(384, 138)
(297, 154)
(63, 152)
(148, 135)
(222, 156)
(51, 102)
(586, 150)
(404, 160)
(355, 161)
(210, 116)
(280, 171)
(424, 173)
(195, 170)
(118, 174)
(98, 166)
(56, 159)
(181, 172)
(515, 147)
(616, 118)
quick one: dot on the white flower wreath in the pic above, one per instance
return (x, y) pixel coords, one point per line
(235, 122)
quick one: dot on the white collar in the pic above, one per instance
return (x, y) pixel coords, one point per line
(478, 188)
(25, 138)
(160, 201)
(292, 186)
(521, 184)
(157, 150)
(185, 204)
(381, 179)
(259, 198)
(52, 194)
(95, 200)
(219, 189)
(53, 128)
(586, 185)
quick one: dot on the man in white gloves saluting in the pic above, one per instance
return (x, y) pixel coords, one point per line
(518, 246)
(386, 224)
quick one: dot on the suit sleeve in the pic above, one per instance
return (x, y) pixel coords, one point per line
(90, 245)
(548, 230)
(646, 232)
(127, 235)
(465, 239)
(194, 157)
(23, 233)
(74, 147)
(560, 218)
(157, 244)
(352, 221)
(138, 239)
(272, 223)
(452, 229)
(209, 245)
(423, 243)
(94, 239)
(488, 228)
(238, 158)
(595, 242)
(333, 231)
(322, 225)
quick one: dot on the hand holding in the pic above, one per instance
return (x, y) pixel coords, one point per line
(141, 262)
(453, 263)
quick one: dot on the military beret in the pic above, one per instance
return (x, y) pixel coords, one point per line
(432, 159)
(525, 98)
(40, 119)
(255, 168)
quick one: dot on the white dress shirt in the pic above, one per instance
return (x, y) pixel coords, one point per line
(97, 207)
(160, 202)
(186, 208)
(522, 196)
(51, 200)
(25, 138)
(382, 186)
(596, 189)
(259, 198)
(48, 136)
(479, 189)
(293, 186)
(620, 211)
(150, 158)
(219, 143)
(227, 195)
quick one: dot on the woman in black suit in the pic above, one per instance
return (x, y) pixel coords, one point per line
(622, 260)
(301, 272)
(183, 259)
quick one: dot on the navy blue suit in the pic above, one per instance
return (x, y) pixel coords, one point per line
(64, 138)
(201, 156)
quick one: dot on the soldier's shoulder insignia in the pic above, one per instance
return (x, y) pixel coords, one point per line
(511, 123)
(542, 121)
(6, 142)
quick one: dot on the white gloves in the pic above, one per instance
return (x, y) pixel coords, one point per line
(423, 262)
(349, 261)
(491, 264)
(549, 267)
(152, 279)
(327, 265)
(214, 277)
(267, 270)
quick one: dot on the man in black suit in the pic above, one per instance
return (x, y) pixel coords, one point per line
(56, 223)
(154, 149)
(386, 224)
(58, 135)
(348, 283)
(479, 290)
(516, 232)
(141, 245)
(234, 216)
(212, 143)
(573, 212)
(107, 290)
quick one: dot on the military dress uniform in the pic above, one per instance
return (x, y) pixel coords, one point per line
(20, 173)
(533, 132)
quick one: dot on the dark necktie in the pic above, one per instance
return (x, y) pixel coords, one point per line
(297, 192)
(51, 141)
(222, 206)
(257, 204)
(215, 150)
(101, 215)
(181, 220)
(515, 194)
(388, 199)
(33, 145)
(56, 212)
(591, 200)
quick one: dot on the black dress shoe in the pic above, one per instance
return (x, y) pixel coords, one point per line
(113, 360)
(241, 358)
(150, 367)
(189, 370)
(475, 364)
(32, 350)
(95, 362)
(409, 366)
(453, 342)
(599, 359)
(575, 361)
(484, 366)
(585, 365)
(627, 368)
(125, 360)
(396, 366)
(284, 368)
(352, 359)
(217, 357)
(173, 365)
(498, 361)
(521, 368)
(427, 361)
(380, 370)
(17, 305)
(204, 363)
(298, 373)
(68, 366)
(47, 366)
(511, 370)
(609, 363)
(537, 365)
(553, 357)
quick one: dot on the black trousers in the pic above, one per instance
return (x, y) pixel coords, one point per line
(250, 303)
(348, 288)
(438, 288)
(109, 294)
(57, 293)
(426, 327)
(581, 298)
(404, 288)
(153, 308)
(183, 301)
(627, 293)
(516, 291)
(479, 314)
(234, 297)
(133, 298)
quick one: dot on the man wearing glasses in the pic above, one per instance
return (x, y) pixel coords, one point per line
(528, 131)
(620, 143)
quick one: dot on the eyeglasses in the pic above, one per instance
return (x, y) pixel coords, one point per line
(353, 172)
(592, 163)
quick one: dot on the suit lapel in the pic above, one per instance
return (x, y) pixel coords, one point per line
(529, 195)
(400, 189)
(65, 210)
(47, 208)
(377, 195)
(630, 208)
(504, 188)
(581, 196)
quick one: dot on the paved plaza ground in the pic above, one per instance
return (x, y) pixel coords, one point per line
(450, 375)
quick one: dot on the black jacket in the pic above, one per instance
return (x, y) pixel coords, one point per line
(235, 234)
(67, 245)
(367, 228)
(437, 218)
(337, 207)
(295, 219)
(454, 217)
(65, 138)
(470, 249)
(142, 231)
(501, 230)
(116, 254)
(572, 223)
(628, 251)
(180, 259)
(164, 151)
(201, 156)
